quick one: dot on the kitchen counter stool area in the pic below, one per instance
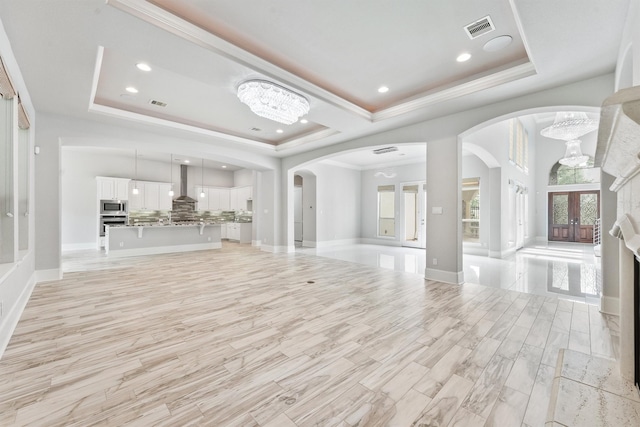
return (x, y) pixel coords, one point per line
(159, 239)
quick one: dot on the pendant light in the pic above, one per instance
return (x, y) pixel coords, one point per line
(171, 166)
(135, 181)
(202, 180)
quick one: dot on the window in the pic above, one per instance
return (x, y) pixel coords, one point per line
(518, 145)
(386, 211)
(565, 175)
(471, 209)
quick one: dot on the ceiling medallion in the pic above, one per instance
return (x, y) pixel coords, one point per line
(273, 101)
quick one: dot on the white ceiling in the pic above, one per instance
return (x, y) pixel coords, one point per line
(77, 57)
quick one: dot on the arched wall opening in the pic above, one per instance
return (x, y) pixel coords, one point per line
(345, 186)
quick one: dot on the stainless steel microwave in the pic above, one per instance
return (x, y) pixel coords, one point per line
(113, 207)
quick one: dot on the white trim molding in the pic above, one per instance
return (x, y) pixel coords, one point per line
(10, 320)
(610, 305)
(48, 275)
(454, 278)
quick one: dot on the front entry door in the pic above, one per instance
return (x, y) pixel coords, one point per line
(572, 215)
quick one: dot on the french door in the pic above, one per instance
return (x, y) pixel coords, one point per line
(572, 215)
(414, 206)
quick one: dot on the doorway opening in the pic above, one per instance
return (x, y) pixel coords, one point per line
(573, 215)
(414, 202)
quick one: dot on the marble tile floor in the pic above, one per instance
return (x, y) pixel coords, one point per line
(240, 337)
(587, 391)
(567, 270)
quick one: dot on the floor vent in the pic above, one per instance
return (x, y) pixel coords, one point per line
(479, 27)
(385, 150)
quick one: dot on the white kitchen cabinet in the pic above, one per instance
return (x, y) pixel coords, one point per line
(165, 201)
(244, 194)
(203, 202)
(113, 188)
(223, 231)
(233, 199)
(218, 199)
(136, 201)
(152, 196)
(239, 231)
(151, 191)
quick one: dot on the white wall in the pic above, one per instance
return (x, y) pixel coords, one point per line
(242, 178)
(369, 199)
(79, 189)
(337, 211)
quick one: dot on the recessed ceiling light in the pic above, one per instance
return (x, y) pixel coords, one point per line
(143, 67)
(463, 57)
(304, 121)
(279, 131)
(497, 43)
(224, 166)
(383, 89)
(131, 89)
(187, 161)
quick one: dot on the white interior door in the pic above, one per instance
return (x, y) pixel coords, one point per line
(297, 214)
(414, 207)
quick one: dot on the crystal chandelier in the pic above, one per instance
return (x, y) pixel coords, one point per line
(272, 101)
(573, 156)
(569, 126)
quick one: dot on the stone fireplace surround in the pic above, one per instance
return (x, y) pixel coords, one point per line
(618, 154)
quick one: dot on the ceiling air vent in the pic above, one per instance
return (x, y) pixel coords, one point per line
(158, 103)
(479, 27)
(385, 150)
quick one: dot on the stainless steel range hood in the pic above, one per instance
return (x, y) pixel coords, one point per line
(183, 187)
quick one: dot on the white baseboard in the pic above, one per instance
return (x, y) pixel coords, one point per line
(48, 275)
(8, 325)
(278, 249)
(475, 250)
(541, 238)
(256, 243)
(508, 252)
(382, 242)
(495, 254)
(79, 246)
(330, 243)
(455, 278)
(610, 305)
(308, 243)
(164, 249)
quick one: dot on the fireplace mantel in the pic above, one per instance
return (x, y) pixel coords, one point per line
(618, 154)
(625, 230)
(618, 147)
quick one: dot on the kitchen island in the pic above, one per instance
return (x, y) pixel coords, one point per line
(159, 238)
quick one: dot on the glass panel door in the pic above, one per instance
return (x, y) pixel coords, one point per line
(414, 206)
(572, 215)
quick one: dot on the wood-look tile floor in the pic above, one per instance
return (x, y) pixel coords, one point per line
(240, 337)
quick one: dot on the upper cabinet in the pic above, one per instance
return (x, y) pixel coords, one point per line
(223, 199)
(113, 188)
(152, 196)
(239, 197)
